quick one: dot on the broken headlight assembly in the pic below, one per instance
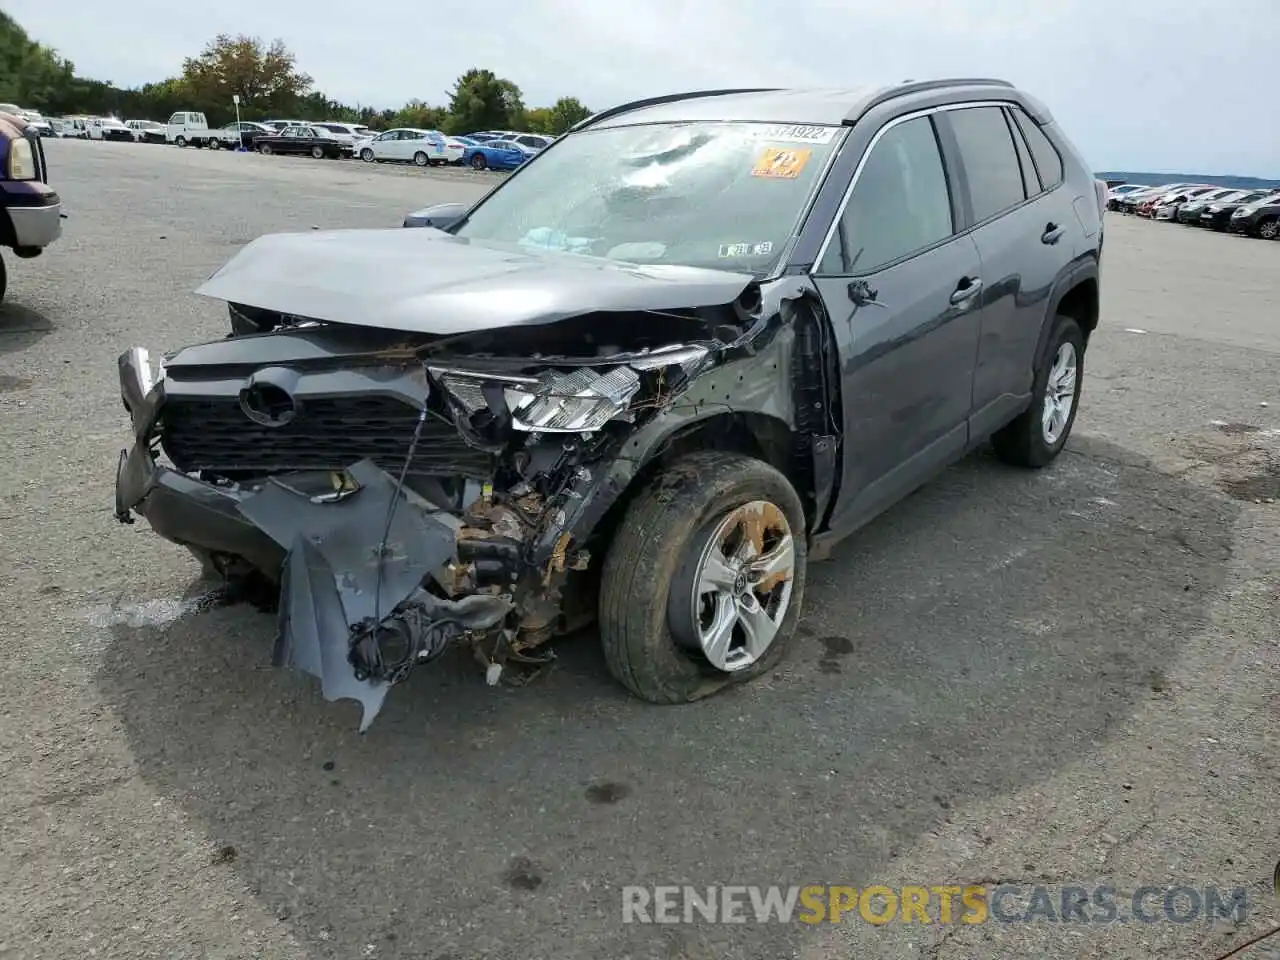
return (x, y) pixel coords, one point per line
(576, 401)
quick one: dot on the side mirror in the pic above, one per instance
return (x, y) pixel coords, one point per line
(441, 216)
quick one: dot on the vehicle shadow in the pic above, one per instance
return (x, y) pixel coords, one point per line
(989, 630)
(21, 327)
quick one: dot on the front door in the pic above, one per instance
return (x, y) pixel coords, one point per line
(902, 292)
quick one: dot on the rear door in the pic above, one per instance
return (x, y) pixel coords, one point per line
(1027, 233)
(902, 290)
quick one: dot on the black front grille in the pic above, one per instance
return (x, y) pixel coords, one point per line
(214, 435)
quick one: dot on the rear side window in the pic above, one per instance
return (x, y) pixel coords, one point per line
(899, 205)
(1048, 160)
(1030, 182)
(990, 160)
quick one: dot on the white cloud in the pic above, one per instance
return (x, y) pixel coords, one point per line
(1138, 84)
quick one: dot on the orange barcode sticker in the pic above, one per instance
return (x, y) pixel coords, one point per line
(781, 163)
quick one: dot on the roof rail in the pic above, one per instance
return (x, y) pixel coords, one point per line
(920, 86)
(658, 101)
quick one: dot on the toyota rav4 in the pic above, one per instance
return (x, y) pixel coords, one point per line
(675, 357)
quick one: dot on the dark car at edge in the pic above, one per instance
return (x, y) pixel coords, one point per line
(1218, 215)
(685, 350)
(303, 141)
(1261, 219)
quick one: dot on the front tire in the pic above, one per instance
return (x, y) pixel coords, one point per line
(4, 279)
(366, 155)
(1036, 437)
(265, 149)
(180, 141)
(478, 162)
(421, 159)
(704, 580)
(317, 153)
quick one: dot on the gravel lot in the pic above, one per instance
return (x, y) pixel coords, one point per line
(1066, 677)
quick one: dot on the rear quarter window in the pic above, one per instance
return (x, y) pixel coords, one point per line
(1048, 160)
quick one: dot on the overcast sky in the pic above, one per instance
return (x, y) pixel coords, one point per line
(1158, 85)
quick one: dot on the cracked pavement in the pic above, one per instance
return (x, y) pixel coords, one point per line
(1064, 677)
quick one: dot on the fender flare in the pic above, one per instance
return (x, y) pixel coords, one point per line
(1067, 281)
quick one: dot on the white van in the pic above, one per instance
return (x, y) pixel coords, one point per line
(187, 127)
(76, 127)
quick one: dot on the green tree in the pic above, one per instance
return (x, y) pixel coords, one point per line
(538, 120)
(265, 77)
(418, 113)
(480, 100)
(31, 74)
(564, 113)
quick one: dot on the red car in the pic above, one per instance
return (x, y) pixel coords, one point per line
(1148, 206)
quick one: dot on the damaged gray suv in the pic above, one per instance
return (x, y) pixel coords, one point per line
(679, 354)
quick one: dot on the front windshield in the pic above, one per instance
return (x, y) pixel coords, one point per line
(709, 194)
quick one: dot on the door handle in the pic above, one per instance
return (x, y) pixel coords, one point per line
(1052, 234)
(966, 291)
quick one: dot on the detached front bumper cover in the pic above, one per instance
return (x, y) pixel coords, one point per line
(353, 611)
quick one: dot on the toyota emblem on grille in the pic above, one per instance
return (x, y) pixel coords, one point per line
(268, 405)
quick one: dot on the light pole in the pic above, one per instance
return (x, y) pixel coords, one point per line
(235, 98)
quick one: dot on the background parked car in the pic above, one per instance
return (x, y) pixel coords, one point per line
(1119, 192)
(351, 132)
(1217, 216)
(187, 127)
(279, 125)
(233, 134)
(1190, 211)
(534, 141)
(1148, 207)
(146, 131)
(1260, 219)
(497, 155)
(109, 128)
(1170, 211)
(75, 127)
(1130, 201)
(304, 140)
(408, 144)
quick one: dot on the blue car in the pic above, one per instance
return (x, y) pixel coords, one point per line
(496, 155)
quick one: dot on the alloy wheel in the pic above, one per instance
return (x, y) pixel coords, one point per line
(1059, 394)
(742, 585)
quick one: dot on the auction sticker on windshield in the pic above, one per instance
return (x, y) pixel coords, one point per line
(796, 133)
(781, 164)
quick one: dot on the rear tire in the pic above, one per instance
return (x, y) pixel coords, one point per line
(649, 611)
(4, 279)
(215, 143)
(1027, 441)
(1269, 229)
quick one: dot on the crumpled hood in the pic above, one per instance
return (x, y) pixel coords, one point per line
(427, 281)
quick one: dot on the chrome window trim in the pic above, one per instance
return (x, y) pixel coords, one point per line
(862, 162)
